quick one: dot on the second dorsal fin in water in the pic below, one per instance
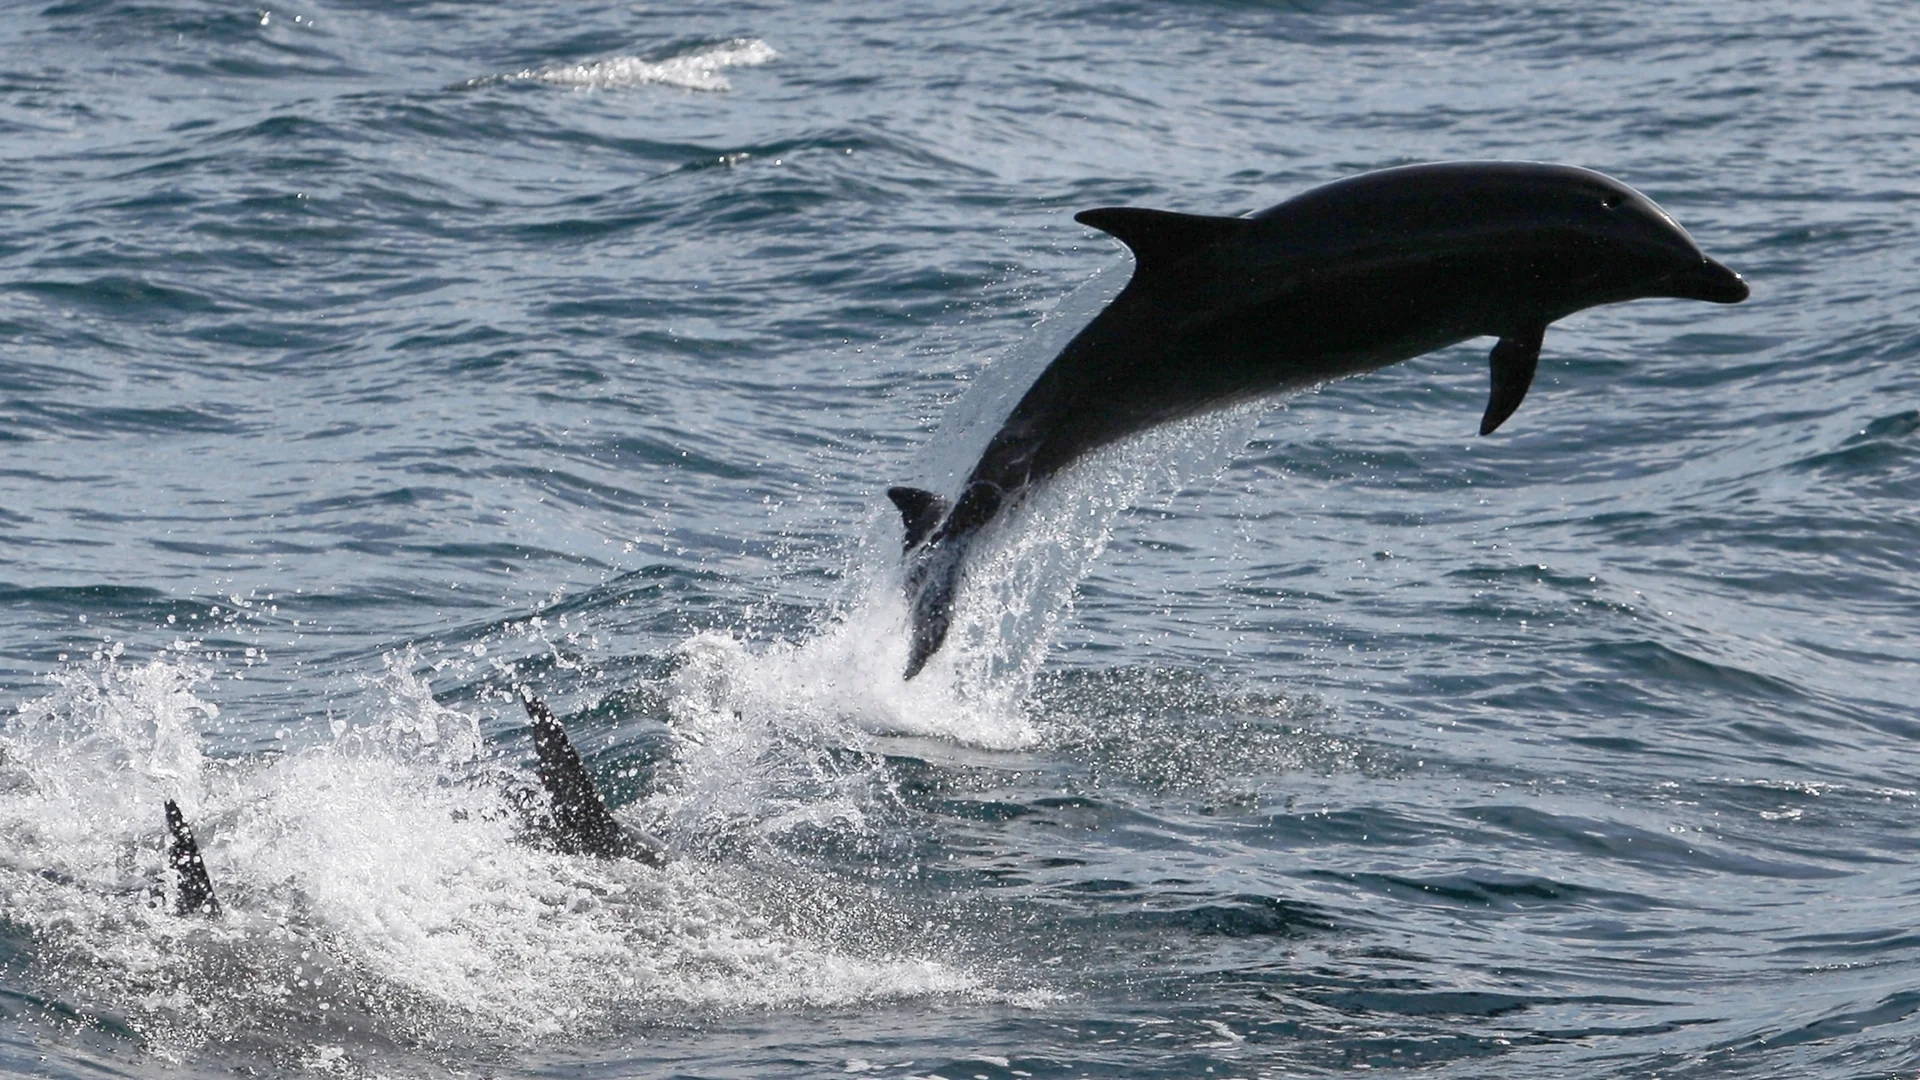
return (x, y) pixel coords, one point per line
(194, 888)
(582, 824)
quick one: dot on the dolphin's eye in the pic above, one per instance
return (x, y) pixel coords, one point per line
(1611, 200)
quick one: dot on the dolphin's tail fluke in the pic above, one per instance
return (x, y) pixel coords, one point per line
(932, 572)
(582, 824)
(194, 895)
(920, 511)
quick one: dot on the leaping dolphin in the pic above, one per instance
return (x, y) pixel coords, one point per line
(1352, 276)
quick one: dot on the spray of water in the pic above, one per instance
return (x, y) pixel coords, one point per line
(1020, 579)
(377, 887)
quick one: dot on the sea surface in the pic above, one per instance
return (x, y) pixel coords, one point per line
(362, 362)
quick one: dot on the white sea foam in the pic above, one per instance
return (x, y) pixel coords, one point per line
(376, 879)
(699, 69)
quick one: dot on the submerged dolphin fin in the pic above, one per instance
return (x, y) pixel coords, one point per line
(1160, 238)
(195, 894)
(920, 511)
(1513, 360)
(582, 825)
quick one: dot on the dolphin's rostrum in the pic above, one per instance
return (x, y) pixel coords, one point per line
(1349, 277)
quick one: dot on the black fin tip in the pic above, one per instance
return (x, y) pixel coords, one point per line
(195, 895)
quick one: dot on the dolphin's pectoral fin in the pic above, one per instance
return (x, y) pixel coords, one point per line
(582, 825)
(1514, 360)
(920, 511)
(1160, 237)
(195, 895)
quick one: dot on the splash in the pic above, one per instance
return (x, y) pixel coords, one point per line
(781, 738)
(765, 745)
(96, 758)
(700, 69)
(1016, 598)
(742, 714)
(1022, 576)
(376, 887)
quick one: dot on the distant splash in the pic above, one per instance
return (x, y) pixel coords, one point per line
(698, 69)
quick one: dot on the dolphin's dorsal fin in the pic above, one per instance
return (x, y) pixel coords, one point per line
(1513, 360)
(195, 895)
(581, 823)
(1160, 237)
(920, 511)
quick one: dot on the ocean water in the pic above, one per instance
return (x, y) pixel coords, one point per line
(361, 362)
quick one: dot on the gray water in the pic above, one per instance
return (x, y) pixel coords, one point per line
(363, 362)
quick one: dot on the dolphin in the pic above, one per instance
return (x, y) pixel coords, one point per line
(1349, 277)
